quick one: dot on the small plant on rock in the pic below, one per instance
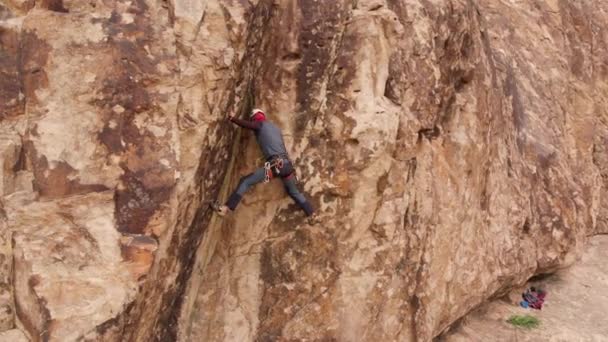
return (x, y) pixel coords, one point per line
(525, 321)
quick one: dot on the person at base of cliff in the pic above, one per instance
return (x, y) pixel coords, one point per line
(270, 140)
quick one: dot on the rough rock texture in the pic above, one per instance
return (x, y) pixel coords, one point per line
(69, 269)
(14, 335)
(7, 320)
(451, 159)
(453, 149)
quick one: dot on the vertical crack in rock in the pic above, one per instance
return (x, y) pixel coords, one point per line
(174, 316)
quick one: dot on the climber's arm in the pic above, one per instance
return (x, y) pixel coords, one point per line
(245, 124)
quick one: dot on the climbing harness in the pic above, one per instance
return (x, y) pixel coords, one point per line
(274, 168)
(277, 164)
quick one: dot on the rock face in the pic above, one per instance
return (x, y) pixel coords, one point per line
(69, 271)
(452, 149)
(14, 335)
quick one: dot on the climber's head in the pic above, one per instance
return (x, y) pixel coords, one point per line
(257, 115)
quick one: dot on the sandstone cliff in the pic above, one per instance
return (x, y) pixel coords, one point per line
(453, 148)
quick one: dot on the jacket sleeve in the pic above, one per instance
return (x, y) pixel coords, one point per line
(254, 126)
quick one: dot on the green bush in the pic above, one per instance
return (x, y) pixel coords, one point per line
(525, 321)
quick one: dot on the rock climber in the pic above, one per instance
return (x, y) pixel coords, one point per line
(277, 164)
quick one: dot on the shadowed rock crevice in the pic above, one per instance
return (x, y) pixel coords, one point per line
(199, 240)
(54, 5)
(600, 159)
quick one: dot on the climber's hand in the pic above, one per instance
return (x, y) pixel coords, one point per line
(230, 117)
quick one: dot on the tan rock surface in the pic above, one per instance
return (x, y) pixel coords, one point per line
(453, 149)
(69, 273)
(14, 335)
(450, 148)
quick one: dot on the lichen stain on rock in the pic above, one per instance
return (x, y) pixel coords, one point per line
(54, 5)
(136, 204)
(57, 179)
(127, 93)
(34, 54)
(11, 98)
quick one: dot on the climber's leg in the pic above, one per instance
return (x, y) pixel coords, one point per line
(245, 183)
(292, 189)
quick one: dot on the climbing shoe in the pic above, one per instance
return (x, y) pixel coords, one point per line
(313, 219)
(221, 210)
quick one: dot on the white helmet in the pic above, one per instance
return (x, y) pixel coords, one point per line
(255, 111)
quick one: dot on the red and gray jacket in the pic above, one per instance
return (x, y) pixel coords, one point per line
(268, 135)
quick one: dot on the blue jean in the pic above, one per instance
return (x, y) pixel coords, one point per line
(250, 180)
(258, 176)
